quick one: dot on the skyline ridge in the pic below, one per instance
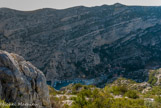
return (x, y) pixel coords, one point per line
(76, 7)
(59, 5)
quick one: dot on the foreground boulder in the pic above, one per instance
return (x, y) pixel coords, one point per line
(21, 83)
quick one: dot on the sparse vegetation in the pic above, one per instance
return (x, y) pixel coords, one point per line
(152, 79)
(122, 93)
(155, 91)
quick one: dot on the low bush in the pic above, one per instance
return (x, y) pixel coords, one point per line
(132, 94)
(118, 90)
(158, 99)
(152, 79)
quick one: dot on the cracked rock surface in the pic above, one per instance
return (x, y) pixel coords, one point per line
(21, 82)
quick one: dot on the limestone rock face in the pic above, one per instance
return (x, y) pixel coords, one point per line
(21, 82)
(85, 43)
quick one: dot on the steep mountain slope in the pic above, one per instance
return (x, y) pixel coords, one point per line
(80, 42)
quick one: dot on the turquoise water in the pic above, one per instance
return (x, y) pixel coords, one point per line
(59, 85)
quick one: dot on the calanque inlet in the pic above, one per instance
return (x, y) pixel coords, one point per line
(81, 57)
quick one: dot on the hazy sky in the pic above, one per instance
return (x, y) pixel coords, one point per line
(61, 4)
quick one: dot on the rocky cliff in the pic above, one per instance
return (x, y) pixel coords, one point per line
(22, 84)
(84, 43)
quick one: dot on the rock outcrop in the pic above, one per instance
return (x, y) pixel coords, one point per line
(21, 83)
(85, 43)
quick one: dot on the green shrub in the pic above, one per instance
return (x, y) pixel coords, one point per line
(152, 79)
(86, 92)
(3, 104)
(127, 103)
(72, 98)
(79, 101)
(132, 94)
(76, 87)
(66, 106)
(158, 99)
(156, 90)
(95, 93)
(118, 90)
(112, 103)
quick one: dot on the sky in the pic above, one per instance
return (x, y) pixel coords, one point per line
(61, 4)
